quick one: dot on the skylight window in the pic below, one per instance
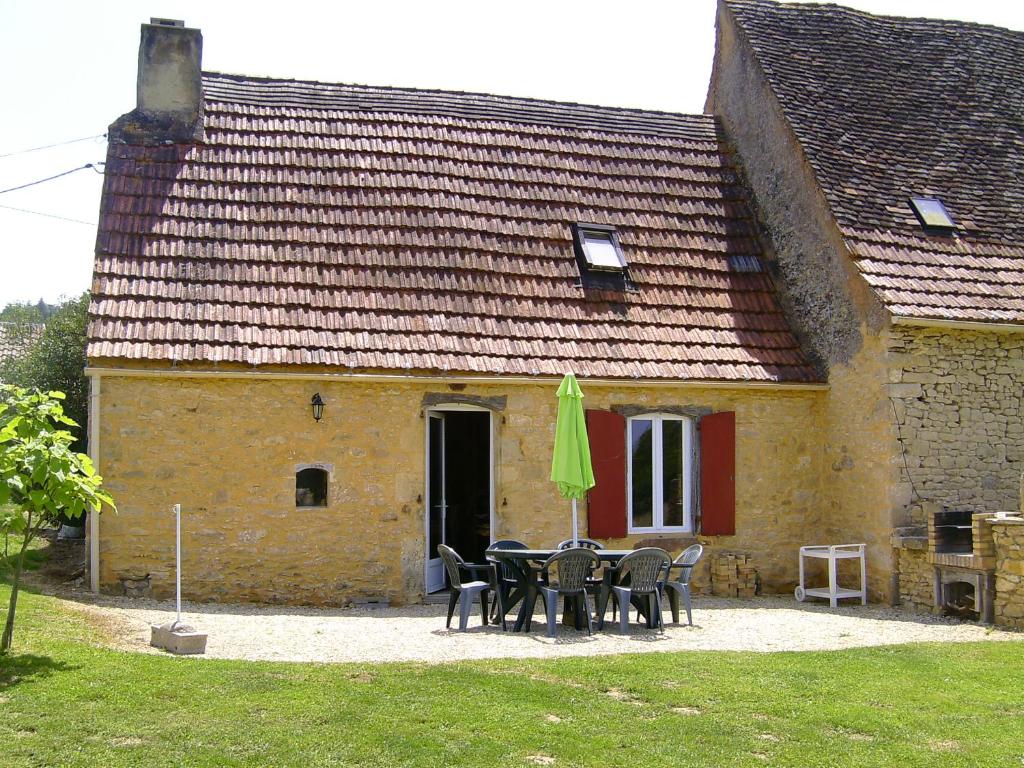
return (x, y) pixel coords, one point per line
(598, 244)
(932, 214)
(739, 263)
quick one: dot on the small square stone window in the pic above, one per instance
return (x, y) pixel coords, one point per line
(311, 487)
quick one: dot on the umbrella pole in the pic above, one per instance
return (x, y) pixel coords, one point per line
(575, 526)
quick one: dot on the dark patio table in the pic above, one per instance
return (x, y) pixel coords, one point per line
(522, 564)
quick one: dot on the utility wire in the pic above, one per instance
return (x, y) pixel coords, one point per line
(51, 178)
(49, 215)
(51, 146)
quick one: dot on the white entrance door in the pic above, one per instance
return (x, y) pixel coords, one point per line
(437, 505)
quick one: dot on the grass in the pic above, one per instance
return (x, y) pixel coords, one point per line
(67, 701)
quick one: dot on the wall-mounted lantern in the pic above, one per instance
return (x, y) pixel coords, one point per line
(318, 406)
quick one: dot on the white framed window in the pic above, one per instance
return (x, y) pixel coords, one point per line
(659, 495)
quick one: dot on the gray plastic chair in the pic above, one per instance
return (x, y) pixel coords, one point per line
(464, 592)
(680, 585)
(644, 569)
(585, 543)
(506, 578)
(569, 579)
(594, 581)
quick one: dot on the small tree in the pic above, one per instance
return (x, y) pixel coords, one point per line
(41, 477)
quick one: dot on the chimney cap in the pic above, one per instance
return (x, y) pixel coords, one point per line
(166, 22)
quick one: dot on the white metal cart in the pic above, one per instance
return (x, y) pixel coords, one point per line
(833, 591)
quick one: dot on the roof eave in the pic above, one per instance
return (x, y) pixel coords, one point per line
(958, 325)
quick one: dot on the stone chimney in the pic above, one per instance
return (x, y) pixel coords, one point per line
(169, 106)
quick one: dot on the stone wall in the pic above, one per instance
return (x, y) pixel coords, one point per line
(957, 398)
(227, 450)
(833, 310)
(916, 579)
(861, 476)
(1009, 603)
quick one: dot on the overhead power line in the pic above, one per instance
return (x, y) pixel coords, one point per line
(94, 166)
(49, 215)
(51, 146)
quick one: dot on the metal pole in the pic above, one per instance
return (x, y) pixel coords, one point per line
(177, 562)
(575, 526)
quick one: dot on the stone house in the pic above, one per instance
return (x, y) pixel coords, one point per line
(884, 157)
(329, 320)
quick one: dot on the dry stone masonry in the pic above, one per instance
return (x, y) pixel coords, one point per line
(957, 399)
(1009, 545)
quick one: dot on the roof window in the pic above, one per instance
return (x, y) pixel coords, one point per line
(739, 263)
(598, 246)
(932, 214)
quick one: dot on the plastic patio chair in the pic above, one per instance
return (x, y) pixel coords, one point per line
(568, 579)
(680, 585)
(464, 592)
(585, 543)
(506, 581)
(594, 581)
(644, 569)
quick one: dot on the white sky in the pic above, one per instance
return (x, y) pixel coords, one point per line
(69, 70)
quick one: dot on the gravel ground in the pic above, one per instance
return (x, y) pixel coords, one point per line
(417, 633)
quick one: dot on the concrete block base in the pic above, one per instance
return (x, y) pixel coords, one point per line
(181, 640)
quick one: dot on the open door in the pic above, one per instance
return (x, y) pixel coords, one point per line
(460, 493)
(437, 505)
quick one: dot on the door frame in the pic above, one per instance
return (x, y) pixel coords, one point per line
(442, 408)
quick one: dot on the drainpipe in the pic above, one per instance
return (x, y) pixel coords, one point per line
(93, 533)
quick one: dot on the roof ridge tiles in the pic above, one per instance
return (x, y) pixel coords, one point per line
(463, 104)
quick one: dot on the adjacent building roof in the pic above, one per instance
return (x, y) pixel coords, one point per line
(429, 231)
(889, 108)
(16, 337)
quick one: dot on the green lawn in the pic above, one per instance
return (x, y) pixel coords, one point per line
(64, 701)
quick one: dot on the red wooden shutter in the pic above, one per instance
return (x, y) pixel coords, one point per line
(606, 501)
(718, 474)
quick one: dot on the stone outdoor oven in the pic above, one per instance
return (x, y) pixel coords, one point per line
(962, 551)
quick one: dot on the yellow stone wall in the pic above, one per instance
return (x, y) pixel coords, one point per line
(916, 579)
(1009, 546)
(227, 450)
(861, 477)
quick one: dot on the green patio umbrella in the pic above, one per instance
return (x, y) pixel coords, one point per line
(570, 461)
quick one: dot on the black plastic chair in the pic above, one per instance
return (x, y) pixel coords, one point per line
(680, 585)
(565, 575)
(464, 592)
(506, 581)
(639, 574)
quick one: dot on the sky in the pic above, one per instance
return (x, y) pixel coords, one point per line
(70, 67)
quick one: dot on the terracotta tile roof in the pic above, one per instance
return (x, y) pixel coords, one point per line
(886, 108)
(378, 228)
